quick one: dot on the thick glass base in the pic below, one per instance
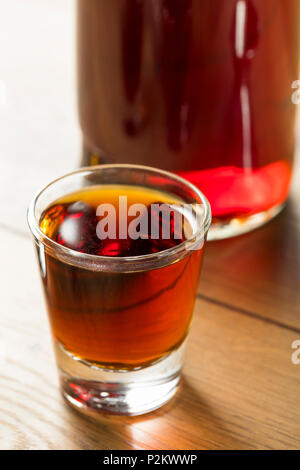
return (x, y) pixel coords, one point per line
(230, 227)
(92, 389)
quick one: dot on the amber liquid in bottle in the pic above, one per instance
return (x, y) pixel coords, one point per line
(208, 81)
(120, 320)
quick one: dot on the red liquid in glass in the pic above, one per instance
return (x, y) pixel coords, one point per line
(202, 88)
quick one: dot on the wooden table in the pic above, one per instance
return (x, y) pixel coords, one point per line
(240, 388)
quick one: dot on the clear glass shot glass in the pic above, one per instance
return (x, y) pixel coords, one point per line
(119, 323)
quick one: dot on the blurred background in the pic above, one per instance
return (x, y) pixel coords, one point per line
(37, 100)
(240, 388)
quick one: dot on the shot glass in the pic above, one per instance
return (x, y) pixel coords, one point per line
(119, 319)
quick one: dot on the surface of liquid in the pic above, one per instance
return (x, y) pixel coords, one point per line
(72, 221)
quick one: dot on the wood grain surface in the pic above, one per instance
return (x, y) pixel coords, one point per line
(240, 389)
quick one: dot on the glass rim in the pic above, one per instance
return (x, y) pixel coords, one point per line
(120, 263)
